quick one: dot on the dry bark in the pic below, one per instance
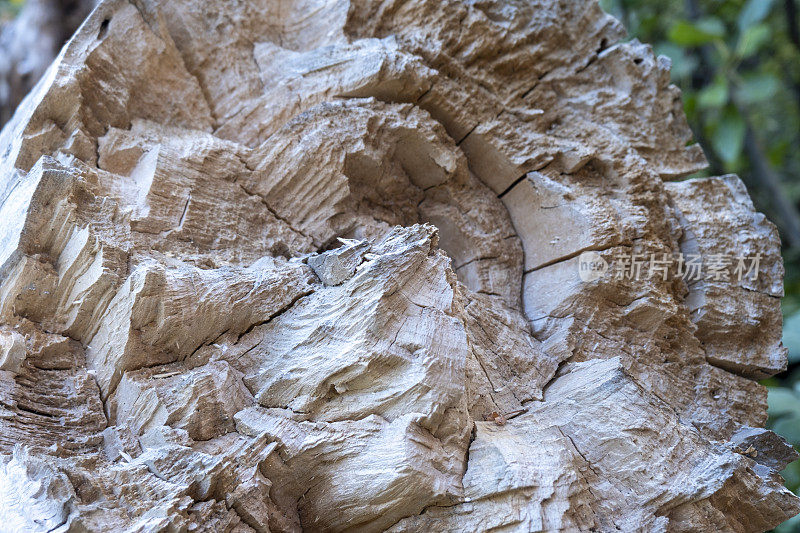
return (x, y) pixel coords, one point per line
(283, 266)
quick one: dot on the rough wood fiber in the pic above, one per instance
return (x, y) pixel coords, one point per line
(312, 265)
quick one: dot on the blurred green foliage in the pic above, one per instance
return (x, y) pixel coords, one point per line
(737, 63)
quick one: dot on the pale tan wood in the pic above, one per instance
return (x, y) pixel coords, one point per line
(313, 265)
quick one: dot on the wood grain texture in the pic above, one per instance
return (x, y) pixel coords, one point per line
(312, 265)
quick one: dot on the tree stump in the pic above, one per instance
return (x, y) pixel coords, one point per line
(317, 265)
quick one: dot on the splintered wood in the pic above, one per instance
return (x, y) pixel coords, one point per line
(313, 265)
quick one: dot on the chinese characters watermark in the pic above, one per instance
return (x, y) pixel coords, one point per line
(689, 267)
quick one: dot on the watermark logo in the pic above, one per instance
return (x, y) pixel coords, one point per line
(591, 266)
(688, 267)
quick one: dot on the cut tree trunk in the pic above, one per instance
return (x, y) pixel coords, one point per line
(313, 265)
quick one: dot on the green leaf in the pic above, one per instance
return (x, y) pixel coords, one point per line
(754, 12)
(791, 337)
(782, 401)
(792, 474)
(758, 88)
(683, 64)
(714, 95)
(788, 428)
(752, 39)
(703, 31)
(728, 137)
(777, 153)
(690, 103)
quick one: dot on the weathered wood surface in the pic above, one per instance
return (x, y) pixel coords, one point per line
(312, 265)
